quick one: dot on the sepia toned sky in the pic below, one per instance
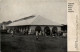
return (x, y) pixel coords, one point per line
(54, 10)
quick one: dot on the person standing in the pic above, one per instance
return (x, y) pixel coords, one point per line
(12, 32)
(37, 35)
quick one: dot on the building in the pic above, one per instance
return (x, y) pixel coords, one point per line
(3, 25)
(35, 24)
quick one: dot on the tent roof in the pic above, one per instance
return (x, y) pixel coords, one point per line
(37, 20)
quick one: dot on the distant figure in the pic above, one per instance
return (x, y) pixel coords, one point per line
(37, 29)
(37, 35)
(12, 32)
(8, 31)
(54, 33)
(29, 31)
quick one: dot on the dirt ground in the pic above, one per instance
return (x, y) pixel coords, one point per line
(28, 43)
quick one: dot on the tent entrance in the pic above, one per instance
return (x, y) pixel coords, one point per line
(47, 30)
(38, 29)
(54, 31)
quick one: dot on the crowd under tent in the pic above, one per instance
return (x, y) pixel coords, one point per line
(35, 23)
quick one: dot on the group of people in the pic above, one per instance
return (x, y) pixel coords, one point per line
(37, 32)
(15, 31)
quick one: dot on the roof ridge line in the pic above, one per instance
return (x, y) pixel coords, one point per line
(34, 19)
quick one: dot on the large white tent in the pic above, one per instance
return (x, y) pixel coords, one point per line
(35, 20)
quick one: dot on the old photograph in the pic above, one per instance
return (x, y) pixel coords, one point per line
(33, 25)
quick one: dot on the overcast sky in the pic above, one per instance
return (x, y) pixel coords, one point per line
(54, 10)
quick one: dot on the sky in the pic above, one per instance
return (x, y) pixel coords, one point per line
(54, 10)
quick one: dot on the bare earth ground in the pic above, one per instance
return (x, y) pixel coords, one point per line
(28, 43)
